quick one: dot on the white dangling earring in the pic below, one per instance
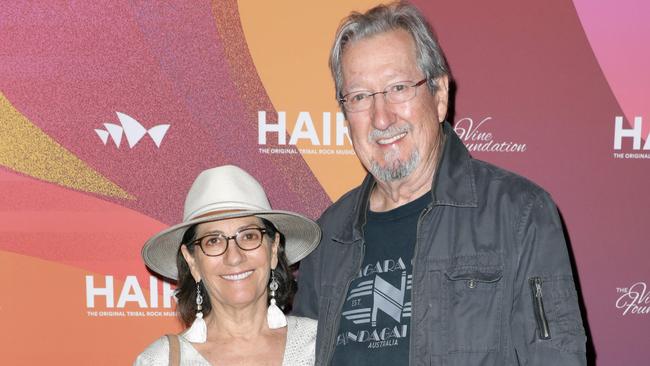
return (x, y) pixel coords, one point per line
(274, 316)
(198, 332)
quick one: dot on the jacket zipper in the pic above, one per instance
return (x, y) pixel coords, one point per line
(413, 287)
(544, 331)
(337, 321)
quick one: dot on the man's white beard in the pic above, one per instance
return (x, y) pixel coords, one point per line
(394, 170)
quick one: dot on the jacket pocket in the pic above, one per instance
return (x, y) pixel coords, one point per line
(543, 331)
(474, 306)
(560, 314)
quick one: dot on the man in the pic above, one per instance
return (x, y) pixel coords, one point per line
(437, 258)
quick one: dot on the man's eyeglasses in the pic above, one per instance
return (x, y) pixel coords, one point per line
(394, 93)
(216, 244)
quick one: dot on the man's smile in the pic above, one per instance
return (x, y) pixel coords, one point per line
(390, 140)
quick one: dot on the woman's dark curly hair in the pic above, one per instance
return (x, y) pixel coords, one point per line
(186, 290)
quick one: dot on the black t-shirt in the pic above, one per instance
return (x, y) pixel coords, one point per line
(375, 320)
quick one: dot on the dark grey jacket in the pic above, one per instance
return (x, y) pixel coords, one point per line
(492, 282)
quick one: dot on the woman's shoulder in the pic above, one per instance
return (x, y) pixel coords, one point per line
(302, 325)
(301, 341)
(155, 354)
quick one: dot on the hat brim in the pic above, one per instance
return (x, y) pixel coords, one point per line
(301, 234)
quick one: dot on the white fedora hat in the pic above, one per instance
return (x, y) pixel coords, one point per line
(221, 193)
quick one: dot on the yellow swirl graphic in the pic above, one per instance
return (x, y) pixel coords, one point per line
(25, 148)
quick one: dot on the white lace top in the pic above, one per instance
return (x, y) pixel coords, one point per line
(299, 351)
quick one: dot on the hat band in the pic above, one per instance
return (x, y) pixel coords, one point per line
(222, 207)
(215, 213)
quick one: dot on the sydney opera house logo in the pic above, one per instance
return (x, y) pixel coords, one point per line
(133, 131)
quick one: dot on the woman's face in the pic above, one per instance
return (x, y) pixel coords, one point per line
(236, 278)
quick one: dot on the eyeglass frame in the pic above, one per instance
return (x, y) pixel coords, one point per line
(385, 92)
(197, 241)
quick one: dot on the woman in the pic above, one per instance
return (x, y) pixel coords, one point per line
(231, 257)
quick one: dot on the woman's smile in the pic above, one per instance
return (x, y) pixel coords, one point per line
(237, 276)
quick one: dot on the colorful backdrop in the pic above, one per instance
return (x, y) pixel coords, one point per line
(109, 109)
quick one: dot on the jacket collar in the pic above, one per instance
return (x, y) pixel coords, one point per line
(453, 185)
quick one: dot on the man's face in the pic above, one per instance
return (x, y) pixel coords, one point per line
(392, 140)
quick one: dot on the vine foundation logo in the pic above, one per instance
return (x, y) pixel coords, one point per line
(132, 129)
(631, 138)
(477, 138)
(634, 300)
(330, 137)
(131, 299)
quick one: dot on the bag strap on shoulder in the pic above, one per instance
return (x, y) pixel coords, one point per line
(174, 350)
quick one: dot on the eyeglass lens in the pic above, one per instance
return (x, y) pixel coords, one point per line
(395, 93)
(217, 244)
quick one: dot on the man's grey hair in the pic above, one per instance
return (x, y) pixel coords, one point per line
(384, 18)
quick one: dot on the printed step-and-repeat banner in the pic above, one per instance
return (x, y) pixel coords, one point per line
(109, 109)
